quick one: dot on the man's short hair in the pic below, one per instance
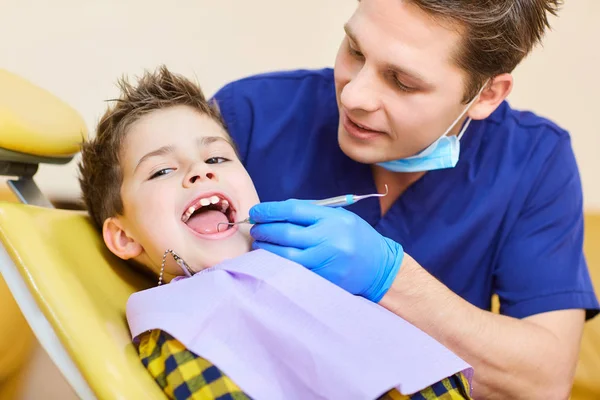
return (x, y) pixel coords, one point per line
(498, 34)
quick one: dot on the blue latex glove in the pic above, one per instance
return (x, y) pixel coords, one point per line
(332, 242)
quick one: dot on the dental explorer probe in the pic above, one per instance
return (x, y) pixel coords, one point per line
(337, 201)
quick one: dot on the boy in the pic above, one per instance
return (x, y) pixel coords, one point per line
(162, 173)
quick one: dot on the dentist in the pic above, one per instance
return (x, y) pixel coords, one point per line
(483, 199)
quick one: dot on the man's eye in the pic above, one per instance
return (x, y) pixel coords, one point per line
(216, 160)
(158, 173)
(402, 86)
(354, 52)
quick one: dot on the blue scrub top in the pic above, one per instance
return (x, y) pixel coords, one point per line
(507, 219)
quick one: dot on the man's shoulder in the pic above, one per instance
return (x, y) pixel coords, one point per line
(278, 107)
(274, 86)
(523, 139)
(290, 77)
(280, 94)
(525, 123)
(516, 151)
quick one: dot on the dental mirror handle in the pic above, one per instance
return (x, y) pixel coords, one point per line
(338, 201)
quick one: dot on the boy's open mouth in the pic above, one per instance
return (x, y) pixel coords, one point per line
(207, 211)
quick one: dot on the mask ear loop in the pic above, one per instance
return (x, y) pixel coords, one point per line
(469, 119)
(464, 129)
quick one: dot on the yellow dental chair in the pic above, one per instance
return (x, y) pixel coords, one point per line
(72, 292)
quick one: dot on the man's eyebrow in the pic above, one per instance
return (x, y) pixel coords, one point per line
(410, 74)
(389, 66)
(161, 151)
(350, 33)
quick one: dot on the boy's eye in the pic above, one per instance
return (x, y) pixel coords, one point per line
(158, 173)
(216, 160)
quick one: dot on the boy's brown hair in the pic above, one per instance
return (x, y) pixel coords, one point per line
(100, 174)
(498, 34)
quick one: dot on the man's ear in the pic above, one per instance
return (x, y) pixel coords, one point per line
(118, 241)
(491, 97)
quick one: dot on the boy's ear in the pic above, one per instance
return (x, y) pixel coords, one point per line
(118, 241)
(491, 97)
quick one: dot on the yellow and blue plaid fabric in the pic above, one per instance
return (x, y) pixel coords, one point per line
(183, 375)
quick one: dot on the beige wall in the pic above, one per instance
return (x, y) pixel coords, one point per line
(560, 81)
(77, 48)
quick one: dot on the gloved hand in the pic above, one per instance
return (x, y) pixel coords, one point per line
(332, 242)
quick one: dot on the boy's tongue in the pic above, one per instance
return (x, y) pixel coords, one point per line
(205, 222)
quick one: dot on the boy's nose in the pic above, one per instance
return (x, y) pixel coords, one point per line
(194, 177)
(199, 174)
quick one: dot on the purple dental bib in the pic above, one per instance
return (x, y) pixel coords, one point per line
(280, 331)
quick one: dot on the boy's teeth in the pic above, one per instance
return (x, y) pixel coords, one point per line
(205, 202)
(224, 205)
(188, 214)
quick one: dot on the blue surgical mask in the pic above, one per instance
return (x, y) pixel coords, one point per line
(443, 153)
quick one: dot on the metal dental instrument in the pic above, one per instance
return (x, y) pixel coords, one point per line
(338, 201)
(182, 264)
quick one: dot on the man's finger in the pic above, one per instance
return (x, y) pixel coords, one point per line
(289, 253)
(300, 212)
(284, 234)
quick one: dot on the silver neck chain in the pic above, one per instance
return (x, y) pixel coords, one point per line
(182, 264)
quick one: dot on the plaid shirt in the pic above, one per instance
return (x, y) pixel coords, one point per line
(183, 375)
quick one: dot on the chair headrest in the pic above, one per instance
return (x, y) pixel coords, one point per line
(35, 123)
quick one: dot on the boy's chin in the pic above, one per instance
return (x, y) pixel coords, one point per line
(217, 257)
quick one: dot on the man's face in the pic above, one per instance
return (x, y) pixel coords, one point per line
(397, 87)
(181, 177)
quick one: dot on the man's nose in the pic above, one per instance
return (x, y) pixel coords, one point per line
(361, 92)
(199, 172)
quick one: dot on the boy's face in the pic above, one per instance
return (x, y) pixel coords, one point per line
(181, 177)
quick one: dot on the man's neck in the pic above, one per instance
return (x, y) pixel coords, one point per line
(397, 183)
